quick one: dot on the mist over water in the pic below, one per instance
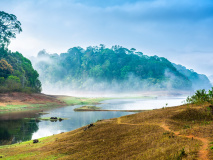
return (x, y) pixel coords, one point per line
(91, 87)
(141, 104)
(121, 94)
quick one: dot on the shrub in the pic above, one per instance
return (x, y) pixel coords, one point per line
(201, 97)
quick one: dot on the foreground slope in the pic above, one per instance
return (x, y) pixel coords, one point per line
(171, 133)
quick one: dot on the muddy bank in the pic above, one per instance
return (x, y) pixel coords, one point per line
(21, 102)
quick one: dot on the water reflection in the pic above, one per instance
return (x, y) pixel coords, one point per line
(13, 131)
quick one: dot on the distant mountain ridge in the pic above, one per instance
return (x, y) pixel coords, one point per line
(113, 69)
(199, 81)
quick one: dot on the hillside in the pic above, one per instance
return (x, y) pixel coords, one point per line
(109, 69)
(199, 81)
(17, 73)
(183, 132)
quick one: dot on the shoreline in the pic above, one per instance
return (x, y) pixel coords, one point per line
(21, 102)
(98, 110)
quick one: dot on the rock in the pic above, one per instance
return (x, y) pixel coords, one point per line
(35, 141)
(53, 118)
(90, 125)
(87, 127)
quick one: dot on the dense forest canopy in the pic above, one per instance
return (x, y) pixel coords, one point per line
(115, 69)
(16, 71)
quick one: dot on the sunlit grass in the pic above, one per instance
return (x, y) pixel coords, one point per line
(81, 101)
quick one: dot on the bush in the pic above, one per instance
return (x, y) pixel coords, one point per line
(27, 90)
(201, 97)
(2, 80)
(3, 89)
(13, 85)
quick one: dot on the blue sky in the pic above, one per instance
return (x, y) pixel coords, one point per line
(180, 30)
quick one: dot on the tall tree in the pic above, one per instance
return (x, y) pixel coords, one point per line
(9, 26)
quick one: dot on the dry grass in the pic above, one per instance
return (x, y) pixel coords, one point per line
(139, 136)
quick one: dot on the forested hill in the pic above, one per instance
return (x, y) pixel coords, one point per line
(115, 69)
(198, 80)
(17, 73)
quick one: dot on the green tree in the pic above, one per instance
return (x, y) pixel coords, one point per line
(5, 68)
(9, 26)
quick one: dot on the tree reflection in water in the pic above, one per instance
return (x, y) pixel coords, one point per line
(17, 129)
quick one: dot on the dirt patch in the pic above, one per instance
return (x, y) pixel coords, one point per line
(16, 98)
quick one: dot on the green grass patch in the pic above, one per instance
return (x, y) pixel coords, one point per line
(26, 107)
(46, 118)
(81, 100)
(12, 107)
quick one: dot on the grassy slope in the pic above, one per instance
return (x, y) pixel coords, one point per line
(158, 134)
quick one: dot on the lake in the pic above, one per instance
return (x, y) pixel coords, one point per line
(14, 128)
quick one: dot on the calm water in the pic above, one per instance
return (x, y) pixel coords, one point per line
(14, 128)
